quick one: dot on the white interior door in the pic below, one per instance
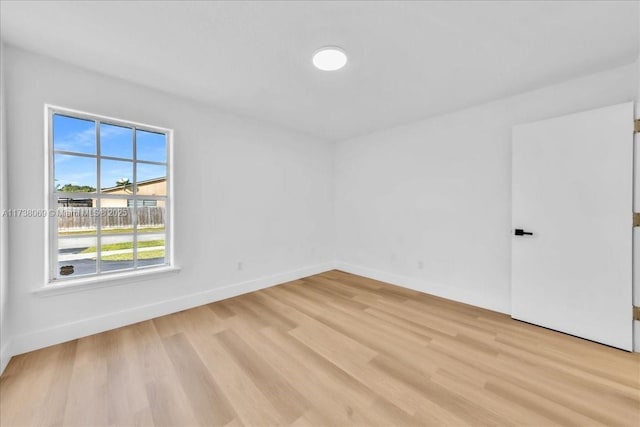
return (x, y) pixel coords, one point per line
(572, 188)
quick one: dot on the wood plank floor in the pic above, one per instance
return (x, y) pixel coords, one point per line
(329, 350)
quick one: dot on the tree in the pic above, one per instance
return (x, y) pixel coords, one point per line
(72, 188)
(124, 183)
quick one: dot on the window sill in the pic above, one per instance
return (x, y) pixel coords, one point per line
(108, 280)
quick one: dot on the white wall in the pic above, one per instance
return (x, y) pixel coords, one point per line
(244, 192)
(428, 205)
(4, 306)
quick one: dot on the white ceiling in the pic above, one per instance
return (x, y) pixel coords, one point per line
(408, 60)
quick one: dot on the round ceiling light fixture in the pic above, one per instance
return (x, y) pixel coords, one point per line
(329, 58)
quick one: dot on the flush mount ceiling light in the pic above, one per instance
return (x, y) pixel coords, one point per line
(329, 58)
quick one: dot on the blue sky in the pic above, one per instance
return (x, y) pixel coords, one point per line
(76, 135)
(116, 141)
(151, 146)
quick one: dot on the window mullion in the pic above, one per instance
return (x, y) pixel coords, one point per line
(135, 201)
(98, 203)
(74, 153)
(151, 162)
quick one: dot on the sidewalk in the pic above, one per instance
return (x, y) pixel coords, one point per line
(92, 255)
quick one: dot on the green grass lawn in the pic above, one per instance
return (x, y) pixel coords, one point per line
(112, 231)
(158, 253)
(124, 245)
(129, 256)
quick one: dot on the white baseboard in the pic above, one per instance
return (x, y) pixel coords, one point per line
(5, 355)
(427, 287)
(69, 331)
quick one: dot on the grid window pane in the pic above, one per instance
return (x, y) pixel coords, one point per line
(116, 216)
(151, 146)
(151, 219)
(151, 179)
(116, 177)
(76, 216)
(74, 173)
(76, 256)
(73, 134)
(116, 252)
(116, 141)
(151, 250)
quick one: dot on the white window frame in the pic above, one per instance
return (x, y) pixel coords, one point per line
(51, 228)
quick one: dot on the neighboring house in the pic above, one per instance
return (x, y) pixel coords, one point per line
(75, 218)
(150, 187)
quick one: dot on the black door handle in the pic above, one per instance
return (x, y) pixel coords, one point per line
(521, 232)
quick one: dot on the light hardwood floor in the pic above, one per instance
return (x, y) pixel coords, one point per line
(332, 349)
